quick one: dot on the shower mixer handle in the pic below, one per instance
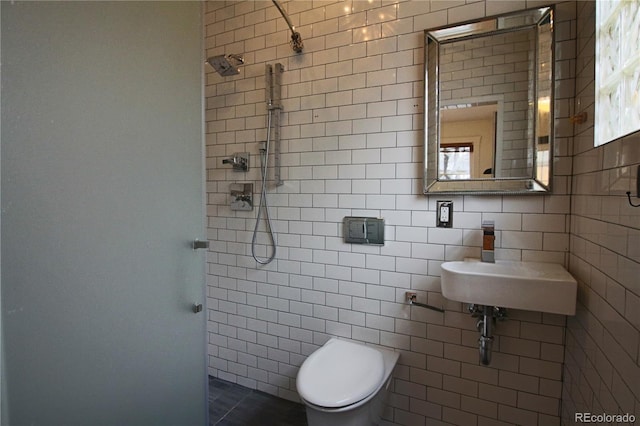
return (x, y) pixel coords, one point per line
(239, 161)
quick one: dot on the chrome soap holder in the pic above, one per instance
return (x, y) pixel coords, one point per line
(241, 196)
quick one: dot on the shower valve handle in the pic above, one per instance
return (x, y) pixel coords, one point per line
(239, 161)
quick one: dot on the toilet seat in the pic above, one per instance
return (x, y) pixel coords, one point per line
(340, 373)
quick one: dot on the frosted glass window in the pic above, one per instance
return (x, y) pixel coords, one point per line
(617, 106)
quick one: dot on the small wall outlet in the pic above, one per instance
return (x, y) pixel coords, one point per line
(444, 214)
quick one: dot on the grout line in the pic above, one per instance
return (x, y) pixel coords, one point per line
(233, 408)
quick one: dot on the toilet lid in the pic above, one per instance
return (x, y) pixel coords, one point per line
(340, 373)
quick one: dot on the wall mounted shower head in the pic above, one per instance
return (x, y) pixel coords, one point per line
(226, 64)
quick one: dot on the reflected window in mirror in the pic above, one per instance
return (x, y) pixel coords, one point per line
(473, 121)
(455, 160)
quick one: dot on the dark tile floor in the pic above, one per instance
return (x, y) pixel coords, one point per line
(234, 405)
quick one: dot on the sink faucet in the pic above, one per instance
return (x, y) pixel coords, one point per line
(488, 241)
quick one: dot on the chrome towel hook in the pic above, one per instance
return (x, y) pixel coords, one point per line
(637, 189)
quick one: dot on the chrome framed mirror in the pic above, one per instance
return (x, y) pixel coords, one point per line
(489, 105)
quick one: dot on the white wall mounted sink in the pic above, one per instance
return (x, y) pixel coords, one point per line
(532, 286)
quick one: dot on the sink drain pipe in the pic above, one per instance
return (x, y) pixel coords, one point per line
(485, 326)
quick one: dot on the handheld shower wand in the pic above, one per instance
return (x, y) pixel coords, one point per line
(264, 203)
(272, 97)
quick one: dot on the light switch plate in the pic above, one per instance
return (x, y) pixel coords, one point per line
(444, 214)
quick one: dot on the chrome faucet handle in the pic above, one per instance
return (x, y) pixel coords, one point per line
(239, 161)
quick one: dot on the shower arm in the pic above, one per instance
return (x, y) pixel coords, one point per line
(296, 39)
(285, 16)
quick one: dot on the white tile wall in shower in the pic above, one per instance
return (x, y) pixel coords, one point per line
(352, 145)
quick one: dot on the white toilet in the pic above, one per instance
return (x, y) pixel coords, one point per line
(345, 383)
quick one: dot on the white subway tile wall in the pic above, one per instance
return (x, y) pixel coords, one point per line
(352, 145)
(602, 366)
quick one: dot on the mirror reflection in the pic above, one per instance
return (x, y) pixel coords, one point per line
(488, 105)
(468, 139)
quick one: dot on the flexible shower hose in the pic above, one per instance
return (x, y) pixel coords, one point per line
(264, 167)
